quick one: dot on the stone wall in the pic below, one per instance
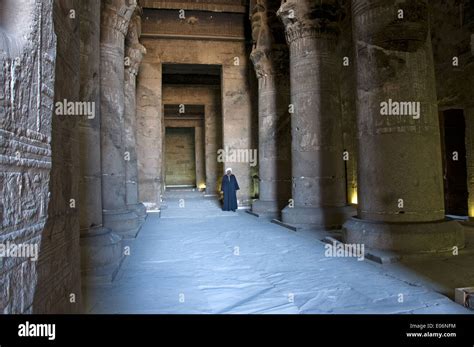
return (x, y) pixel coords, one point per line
(39, 157)
(180, 157)
(26, 129)
(59, 263)
(347, 85)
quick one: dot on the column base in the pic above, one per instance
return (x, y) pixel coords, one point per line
(326, 218)
(125, 223)
(101, 255)
(267, 209)
(140, 211)
(423, 237)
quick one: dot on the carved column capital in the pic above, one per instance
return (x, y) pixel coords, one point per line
(266, 54)
(116, 14)
(262, 63)
(135, 56)
(307, 18)
(262, 38)
(134, 50)
(391, 24)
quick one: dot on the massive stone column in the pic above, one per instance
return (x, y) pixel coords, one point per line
(116, 15)
(401, 205)
(150, 129)
(100, 248)
(317, 155)
(134, 55)
(270, 60)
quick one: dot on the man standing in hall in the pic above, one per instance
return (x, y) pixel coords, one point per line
(229, 187)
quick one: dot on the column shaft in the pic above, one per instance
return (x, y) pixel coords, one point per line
(317, 153)
(134, 55)
(101, 249)
(400, 171)
(270, 61)
(115, 19)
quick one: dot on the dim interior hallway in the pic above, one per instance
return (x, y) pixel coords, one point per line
(199, 259)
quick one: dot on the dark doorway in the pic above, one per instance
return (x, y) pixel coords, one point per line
(453, 129)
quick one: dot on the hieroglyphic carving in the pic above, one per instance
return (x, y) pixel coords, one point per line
(26, 103)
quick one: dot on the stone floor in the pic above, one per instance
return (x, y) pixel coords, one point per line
(198, 259)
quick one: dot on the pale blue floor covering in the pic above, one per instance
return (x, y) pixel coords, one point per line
(199, 259)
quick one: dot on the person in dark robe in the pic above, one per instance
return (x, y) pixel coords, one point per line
(229, 187)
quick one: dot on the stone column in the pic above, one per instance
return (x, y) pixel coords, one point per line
(270, 61)
(101, 249)
(199, 155)
(116, 15)
(150, 132)
(134, 55)
(317, 155)
(401, 205)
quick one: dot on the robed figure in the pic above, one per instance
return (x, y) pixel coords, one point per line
(229, 187)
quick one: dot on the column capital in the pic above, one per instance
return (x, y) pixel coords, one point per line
(134, 29)
(267, 56)
(307, 18)
(134, 50)
(262, 63)
(262, 37)
(270, 62)
(391, 24)
(116, 14)
(135, 54)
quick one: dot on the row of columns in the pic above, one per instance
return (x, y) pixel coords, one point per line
(110, 211)
(318, 196)
(400, 191)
